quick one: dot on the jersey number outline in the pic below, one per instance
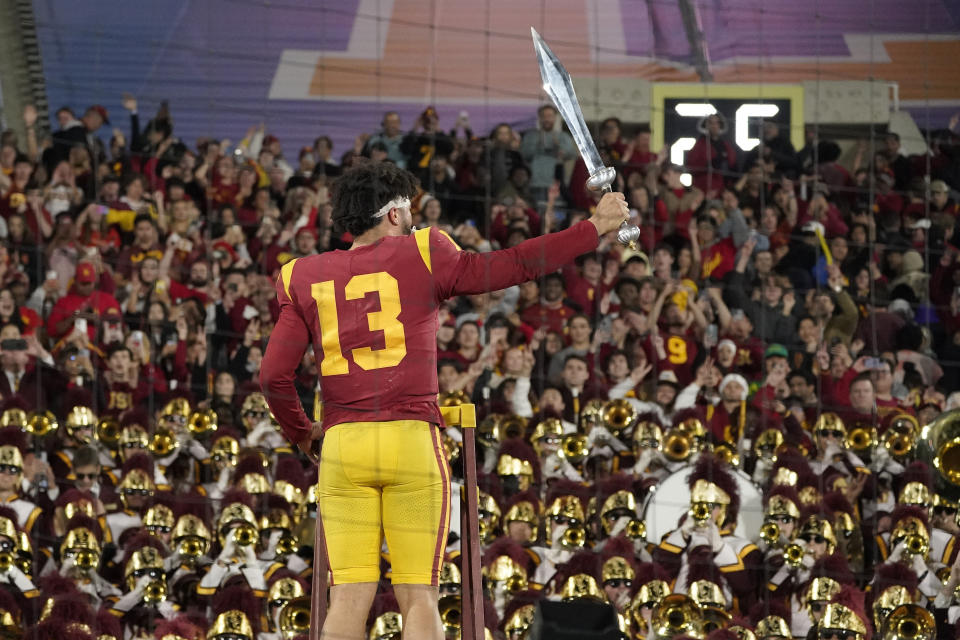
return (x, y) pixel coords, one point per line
(386, 320)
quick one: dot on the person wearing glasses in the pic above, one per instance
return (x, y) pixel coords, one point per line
(12, 448)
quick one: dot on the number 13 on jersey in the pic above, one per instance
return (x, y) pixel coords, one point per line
(386, 320)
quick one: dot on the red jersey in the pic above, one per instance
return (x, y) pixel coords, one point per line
(371, 315)
(538, 315)
(679, 351)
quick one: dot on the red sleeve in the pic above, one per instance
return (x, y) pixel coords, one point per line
(285, 348)
(462, 272)
(841, 388)
(60, 311)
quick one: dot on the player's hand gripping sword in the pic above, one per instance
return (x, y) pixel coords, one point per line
(557, 84)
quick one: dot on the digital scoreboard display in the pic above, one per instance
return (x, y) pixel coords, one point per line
(678, 109)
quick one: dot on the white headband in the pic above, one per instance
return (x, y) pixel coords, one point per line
(396, 203)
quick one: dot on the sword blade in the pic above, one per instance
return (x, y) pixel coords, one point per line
(557, 84)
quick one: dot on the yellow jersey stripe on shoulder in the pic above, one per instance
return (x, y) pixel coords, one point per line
(286, 273)
(422, 237)
(452, 241)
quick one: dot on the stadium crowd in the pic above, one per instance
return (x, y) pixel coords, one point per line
(777, 339)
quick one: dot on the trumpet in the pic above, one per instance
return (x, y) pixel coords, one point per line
(700, 512)
(202, 422)
(793, 555)
(163, 443)
(916, 545)
(675, 615)
(770, 533)
(573, 447)
(294, 618)
(287, 544)
(618, 414)
(155, 591)
(192, 547)
(899, 444)
(245, 536)
(108, 432)
(861, 439)
(636, 530)
(727, 453)
(513, 427)
(909, 622)
(451, 614)
(40, 424)
(574, 538)
(677, 447)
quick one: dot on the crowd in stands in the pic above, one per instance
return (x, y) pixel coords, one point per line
(784, 328)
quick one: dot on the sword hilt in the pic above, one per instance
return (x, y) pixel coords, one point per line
(600, 181)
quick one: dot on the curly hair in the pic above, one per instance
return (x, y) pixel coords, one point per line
(362, 190)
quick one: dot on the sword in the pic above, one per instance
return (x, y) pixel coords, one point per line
(557, 84)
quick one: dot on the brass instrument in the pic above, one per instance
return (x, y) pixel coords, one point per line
(770, 533)
(916, 545)
(861, 439)
(40, 424)
(573, 447)
(108, 432)
(943, 574)
(6, 561)
(727, 453)
(192, 547)
(451, 614)
(164, 442)
(294, 618)
(909, 622)
(618, 414)
(714, 618)
(287, 544)
(793, 555)
(245, 536)
(202, 422)
(636, 530)
(574, 538)
(700, 512)
(155, 591)
(675, 615)
(677, 446)
(939, 446)
(513, 427)
(899, 444)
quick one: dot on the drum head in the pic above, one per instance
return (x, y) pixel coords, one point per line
(670, 499)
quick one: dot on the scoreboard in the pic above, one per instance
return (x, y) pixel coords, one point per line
(678, 108)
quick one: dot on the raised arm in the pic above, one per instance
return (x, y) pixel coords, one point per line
(460, 272)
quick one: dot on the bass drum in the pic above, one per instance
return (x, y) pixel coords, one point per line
(669, 500)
